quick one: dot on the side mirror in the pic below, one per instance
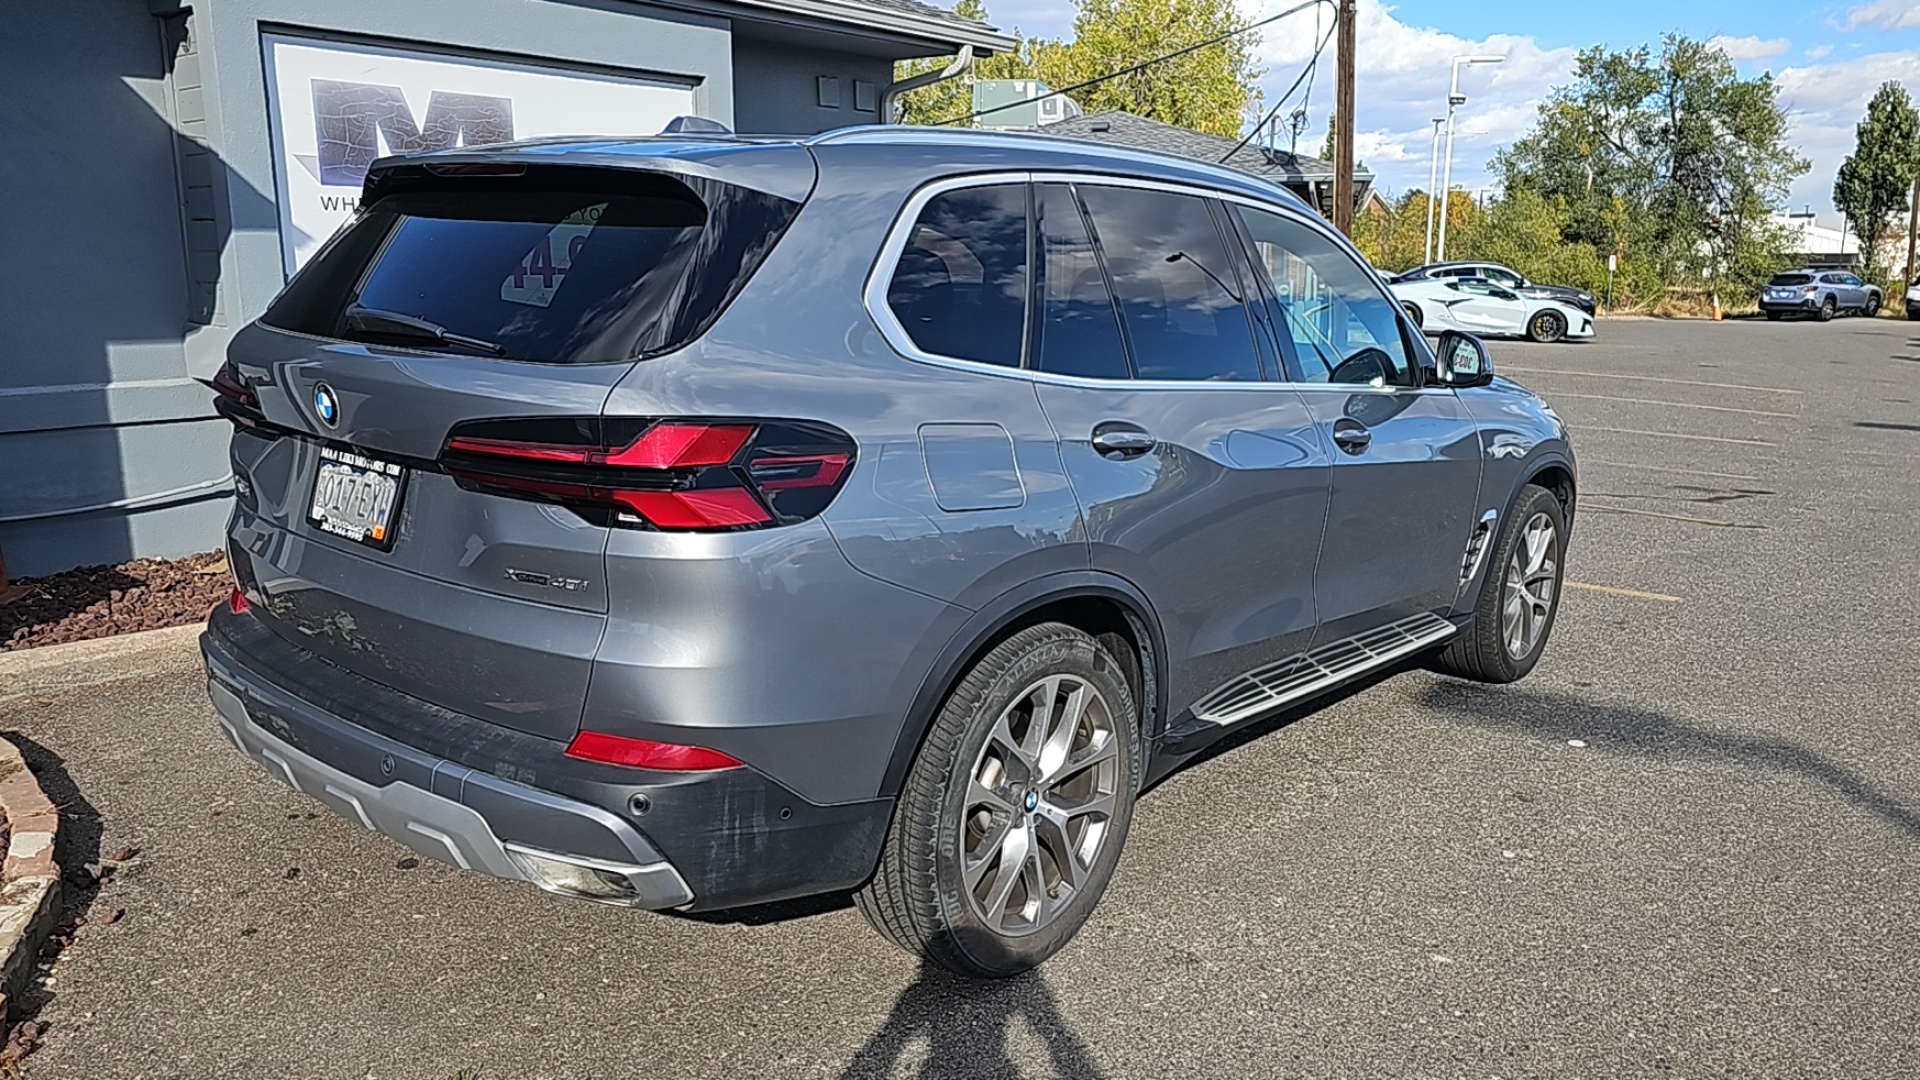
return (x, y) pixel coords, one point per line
(1464, 360)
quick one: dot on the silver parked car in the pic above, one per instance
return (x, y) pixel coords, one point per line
(1819, 294)
(689, 523)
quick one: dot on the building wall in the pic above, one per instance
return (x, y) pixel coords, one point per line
(142, 223)
(96, 409)
(777, 87)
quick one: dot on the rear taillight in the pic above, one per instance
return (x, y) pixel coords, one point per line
(234, 398)
(237, 603)
(669, 474)
(646, 754)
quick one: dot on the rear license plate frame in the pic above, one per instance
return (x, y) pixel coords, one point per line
(377, 531)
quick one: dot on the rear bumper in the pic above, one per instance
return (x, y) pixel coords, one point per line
(485, 798)
(440, 826)
(1795, 307)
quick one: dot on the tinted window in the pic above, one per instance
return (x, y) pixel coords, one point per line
(1791, 279)
(1179, 298)
(1502, 277)
(551, 265)
(961, 287)
(1483, 288)
(1343, 328)
(1079, 333)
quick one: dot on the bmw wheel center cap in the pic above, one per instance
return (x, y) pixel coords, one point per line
(325, 405)
(1033, 800)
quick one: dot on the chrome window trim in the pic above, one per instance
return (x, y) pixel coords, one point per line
(891, 329)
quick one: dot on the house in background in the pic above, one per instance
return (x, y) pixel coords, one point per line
(1812, 244)
(1308, 177)
(171, 163)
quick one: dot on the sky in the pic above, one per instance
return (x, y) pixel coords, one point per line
(1828, 57)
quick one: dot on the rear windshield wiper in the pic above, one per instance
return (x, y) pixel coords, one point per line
(381, 321)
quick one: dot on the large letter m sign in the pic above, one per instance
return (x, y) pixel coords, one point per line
(349, 119)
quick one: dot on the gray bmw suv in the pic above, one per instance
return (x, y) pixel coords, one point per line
(695, 522)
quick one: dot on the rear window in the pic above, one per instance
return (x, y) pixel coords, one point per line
(555, 265)
(1791, 279)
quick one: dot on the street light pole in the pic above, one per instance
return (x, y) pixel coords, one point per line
(1454, 100)
(1433, 177)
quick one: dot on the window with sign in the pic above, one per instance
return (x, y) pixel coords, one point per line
(560, 266)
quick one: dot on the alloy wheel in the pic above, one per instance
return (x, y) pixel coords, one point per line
(1532, 577)
(1039, 803)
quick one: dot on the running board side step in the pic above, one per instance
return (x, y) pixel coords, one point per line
(1283, 682)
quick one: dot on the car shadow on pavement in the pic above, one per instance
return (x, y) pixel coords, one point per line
(959, 1028)
(1642, 733)
(76, 854)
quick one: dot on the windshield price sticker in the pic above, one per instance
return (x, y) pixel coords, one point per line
(539, 275)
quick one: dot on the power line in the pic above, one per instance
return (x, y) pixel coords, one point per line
(1149, 63)
(1305, 74)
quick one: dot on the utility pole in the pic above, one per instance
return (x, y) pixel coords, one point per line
(1343, 121)
(1913, 233)
(1433, 178)
(1455, 99)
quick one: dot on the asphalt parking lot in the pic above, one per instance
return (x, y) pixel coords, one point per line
(1687, 846)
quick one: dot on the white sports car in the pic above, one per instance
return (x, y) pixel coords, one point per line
(1481, 307)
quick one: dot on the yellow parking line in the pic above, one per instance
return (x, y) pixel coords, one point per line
(1676, 435)
(1650, 378)
(1672, 404)
(1588, 504)
(1671, 469)
(1630, 593)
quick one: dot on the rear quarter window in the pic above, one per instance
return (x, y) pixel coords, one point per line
(553, 265)
(960, 287)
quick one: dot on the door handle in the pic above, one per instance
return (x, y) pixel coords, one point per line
(1116, 438)
(1351, 436)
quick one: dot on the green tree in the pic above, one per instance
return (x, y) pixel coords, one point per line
(1670, 158)
(1210, 89)
(1874, 181)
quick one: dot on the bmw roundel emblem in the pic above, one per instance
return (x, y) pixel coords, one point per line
(326, 406)
(1032, 800)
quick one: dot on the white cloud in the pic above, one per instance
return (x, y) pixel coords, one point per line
(1401, 84)
(1751, 48)
(1885, 14)
(1825, 102)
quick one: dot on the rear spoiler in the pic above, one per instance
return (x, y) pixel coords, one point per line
(784, 169)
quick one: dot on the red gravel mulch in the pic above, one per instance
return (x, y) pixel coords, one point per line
(101, 601)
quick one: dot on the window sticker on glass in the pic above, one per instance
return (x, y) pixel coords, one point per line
(538, 277)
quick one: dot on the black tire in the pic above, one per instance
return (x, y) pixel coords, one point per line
(1480, 652)
(1413, 313)
(1873, 305)
(1913, 312)
(1547, 327)
(1827, 309)
(917, 898)
(1773, 316)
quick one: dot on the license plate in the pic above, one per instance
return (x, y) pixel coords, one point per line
(355, 497)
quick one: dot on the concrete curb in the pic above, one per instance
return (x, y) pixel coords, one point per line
(30, 882)
(53, 668)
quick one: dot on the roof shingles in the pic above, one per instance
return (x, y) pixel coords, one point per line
(1126, 129)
